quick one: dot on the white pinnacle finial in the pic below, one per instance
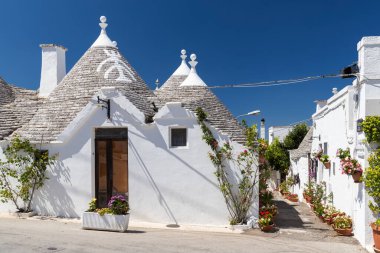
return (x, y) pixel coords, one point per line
(114, 43)
(103, 23)
(193, 61)
(103, 40)
(157, 83)
(193, 79)
(183, 69)
(183, 54)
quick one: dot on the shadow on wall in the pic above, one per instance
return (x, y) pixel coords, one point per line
(160, 197)
(53, 197)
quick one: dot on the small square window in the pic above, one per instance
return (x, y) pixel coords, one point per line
(178, 137)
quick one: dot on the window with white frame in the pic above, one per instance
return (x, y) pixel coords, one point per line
(178, 137)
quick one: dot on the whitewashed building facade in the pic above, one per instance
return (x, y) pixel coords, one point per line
(335, 126)
(147, 145)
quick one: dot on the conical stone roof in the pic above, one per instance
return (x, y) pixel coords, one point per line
(6, 92)
(17, 107)
(99, 67)
(218, 115)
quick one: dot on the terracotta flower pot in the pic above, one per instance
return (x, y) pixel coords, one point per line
(327, 165)
(344, 232)
(376, 235)
(267, 228)
(356, 176)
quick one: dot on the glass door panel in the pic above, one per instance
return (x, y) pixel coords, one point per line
(102, 173)
(120, 167)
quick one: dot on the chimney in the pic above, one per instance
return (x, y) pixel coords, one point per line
(53, 68)
(262, 129)
(368, 55)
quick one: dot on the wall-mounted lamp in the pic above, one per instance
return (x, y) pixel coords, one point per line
(106, 104)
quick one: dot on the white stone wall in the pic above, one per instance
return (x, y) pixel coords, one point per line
(166, 185)
(336, 124)
(299, 167)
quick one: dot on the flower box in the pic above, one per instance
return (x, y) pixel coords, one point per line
(109, 222)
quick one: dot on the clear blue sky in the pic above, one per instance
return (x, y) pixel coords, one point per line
(236, 42)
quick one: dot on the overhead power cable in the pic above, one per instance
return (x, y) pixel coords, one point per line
(279, 82)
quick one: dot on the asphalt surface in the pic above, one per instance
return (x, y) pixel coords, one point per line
(33, 235)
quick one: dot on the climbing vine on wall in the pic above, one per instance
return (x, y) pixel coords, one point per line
(238, 199)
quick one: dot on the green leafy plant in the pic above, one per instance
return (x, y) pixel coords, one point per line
(343, 153)
(372, 181)
(325, 159)
(92, 205)
(284, 187)
(118, 205)
(278, 157)
(23, 172)
(238, 201)
(294, 138)
(371, 128)
(266, 198)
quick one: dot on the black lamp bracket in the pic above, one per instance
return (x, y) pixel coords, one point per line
(106, 104)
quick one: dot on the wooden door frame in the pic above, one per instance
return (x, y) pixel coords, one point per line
(109, 153)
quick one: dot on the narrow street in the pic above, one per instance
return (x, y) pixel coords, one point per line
(38, 235)
(296, 221)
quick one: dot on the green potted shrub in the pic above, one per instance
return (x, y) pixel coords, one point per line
(115, 217)
(326, 161)
(343, 225)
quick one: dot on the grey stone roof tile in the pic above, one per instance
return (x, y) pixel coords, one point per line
(77, 88)
(20, 107)
(304, 148)
(193, 97)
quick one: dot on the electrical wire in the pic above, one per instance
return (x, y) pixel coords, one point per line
(280, 82)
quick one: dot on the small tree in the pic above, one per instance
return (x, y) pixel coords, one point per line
(23, 172)
(278, 157)
(295, 136)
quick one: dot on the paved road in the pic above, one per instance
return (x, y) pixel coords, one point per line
(31, 235)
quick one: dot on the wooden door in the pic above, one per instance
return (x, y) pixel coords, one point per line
(111, 164)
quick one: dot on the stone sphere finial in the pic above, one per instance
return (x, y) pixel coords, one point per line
(183, 51)
(193, 57)
(103, 23)
(103, 19)
(114, 43)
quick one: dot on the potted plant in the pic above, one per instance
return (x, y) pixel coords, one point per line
(284, 189)
(115, 217)
(319, 210)
(352, 167)
(343, 225)
(272, 209)
(343, 153)
(293, 197)
(357, 174)
(265, 221)
(326, 162)
(318, 154)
